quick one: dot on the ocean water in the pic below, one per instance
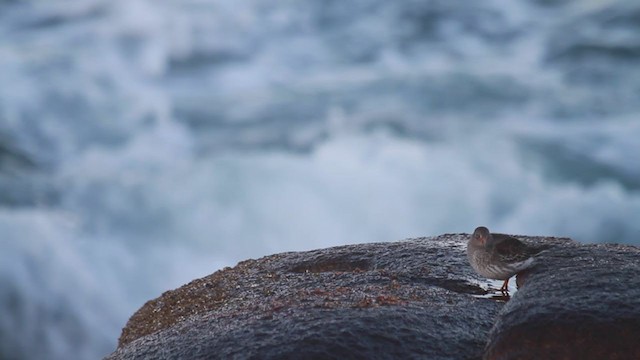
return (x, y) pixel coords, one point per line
(145, 143)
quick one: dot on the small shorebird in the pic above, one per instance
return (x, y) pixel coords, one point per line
(498, 256)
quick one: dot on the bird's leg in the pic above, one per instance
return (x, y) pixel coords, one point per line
(505, 286)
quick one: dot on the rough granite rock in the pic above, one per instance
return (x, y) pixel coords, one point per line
(579, 302)
(408, 299)
(411, 299)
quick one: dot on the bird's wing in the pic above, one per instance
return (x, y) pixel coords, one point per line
(510, 248)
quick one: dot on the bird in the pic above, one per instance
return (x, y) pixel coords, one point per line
(498, 256)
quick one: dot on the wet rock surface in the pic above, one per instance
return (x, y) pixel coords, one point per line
(579, 302)
(406, 299)
(417, 298)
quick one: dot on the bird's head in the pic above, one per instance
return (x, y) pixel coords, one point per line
(481, 236)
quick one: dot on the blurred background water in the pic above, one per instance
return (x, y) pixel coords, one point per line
(145, 143)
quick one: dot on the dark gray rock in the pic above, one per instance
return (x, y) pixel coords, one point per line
(579, 302)
(409, 299)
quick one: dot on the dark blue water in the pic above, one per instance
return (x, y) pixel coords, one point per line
(146, 143)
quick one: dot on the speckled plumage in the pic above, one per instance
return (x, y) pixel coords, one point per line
(498, 256)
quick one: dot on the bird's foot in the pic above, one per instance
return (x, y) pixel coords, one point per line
(505, 287)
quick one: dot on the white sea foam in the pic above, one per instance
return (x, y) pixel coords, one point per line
(161, 141)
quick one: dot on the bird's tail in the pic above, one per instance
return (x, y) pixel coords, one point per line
(537, 250)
